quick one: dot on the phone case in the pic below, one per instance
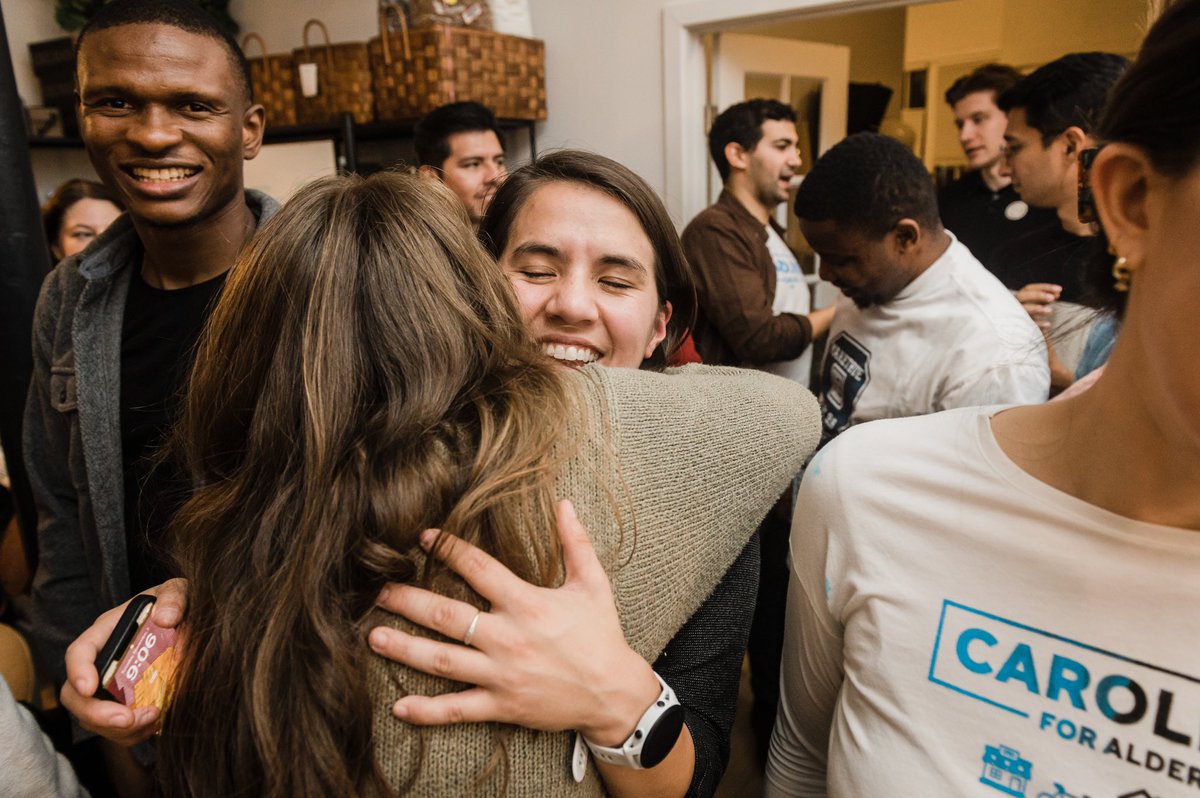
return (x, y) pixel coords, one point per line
(144, 672)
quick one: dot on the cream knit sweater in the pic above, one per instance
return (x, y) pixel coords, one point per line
(694, 459)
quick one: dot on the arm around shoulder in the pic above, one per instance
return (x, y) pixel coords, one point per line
(727, 428)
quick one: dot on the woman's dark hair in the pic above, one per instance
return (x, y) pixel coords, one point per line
(64, 197)
(366, 375)
(672, 275)
(1155, 106)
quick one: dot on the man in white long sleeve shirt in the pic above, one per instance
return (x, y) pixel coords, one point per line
(922, 326)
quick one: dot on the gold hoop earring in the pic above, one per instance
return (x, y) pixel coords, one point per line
(1122, 275)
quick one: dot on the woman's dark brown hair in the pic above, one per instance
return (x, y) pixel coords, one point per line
(366, 375)
(1155, 106)
(672, 275)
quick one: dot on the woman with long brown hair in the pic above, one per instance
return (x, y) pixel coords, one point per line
(367, 376)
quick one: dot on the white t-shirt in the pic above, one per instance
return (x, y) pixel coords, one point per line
(791, 296)
(958, 628)
(954, 337)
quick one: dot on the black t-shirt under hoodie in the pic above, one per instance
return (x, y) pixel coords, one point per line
(158, 341)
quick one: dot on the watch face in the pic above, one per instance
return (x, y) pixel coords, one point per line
(662, 736)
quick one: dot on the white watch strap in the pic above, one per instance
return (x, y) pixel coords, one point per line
(629, 754)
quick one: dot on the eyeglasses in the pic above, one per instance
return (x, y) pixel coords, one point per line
(1087, 203)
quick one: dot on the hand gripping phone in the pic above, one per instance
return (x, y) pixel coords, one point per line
(137, 664)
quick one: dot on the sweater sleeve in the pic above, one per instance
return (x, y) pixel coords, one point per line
(734, 301)
(704, 452)
(812, 669)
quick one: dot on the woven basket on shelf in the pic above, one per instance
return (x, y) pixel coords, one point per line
(274, 83)
(465, 14)
(343, 81)
(420, 69)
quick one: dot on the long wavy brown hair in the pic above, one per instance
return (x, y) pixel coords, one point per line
(366, 375)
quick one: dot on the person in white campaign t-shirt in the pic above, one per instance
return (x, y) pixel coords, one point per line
(996, 602)
(922, 326)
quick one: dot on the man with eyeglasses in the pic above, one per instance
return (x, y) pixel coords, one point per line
(1051, 116)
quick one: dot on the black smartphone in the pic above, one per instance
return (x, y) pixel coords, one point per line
(137, 663)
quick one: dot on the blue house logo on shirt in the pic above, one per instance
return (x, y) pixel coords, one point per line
(1005, 770)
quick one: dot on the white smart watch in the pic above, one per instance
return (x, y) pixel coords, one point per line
(652, 738)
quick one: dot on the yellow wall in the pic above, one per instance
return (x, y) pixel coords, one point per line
(952, 31)
(1036, 31)
(875, 39)
(1021, 32)
(949, 39)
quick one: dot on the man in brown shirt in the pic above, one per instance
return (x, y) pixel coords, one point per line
(753, 309)
(739, 323)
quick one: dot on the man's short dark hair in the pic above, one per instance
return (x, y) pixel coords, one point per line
(180, 14)
(742, 123)
(1069, 92)
(432, 134)
(996, 78)
(868, 182)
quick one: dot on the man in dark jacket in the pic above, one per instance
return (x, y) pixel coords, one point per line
(168, 118)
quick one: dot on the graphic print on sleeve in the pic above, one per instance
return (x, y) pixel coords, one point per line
(847, 372)
(1089, 702)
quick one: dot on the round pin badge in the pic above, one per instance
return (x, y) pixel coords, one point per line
(1016, 211)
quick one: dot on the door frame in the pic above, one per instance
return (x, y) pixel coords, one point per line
(685, 145)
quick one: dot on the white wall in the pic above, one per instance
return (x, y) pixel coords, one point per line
(28, 21)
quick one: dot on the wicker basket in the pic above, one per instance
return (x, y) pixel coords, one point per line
(274, 83)
(420, 69)
(343, 81)
(466, 14)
